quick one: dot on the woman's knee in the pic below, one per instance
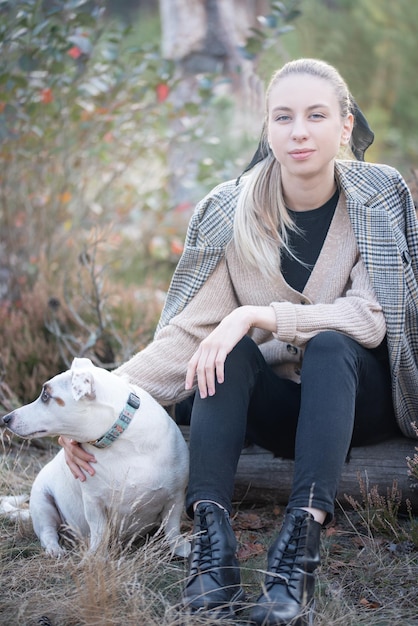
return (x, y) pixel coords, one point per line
(245, 360)
(330, 341)
(246, 350)
(333, 348)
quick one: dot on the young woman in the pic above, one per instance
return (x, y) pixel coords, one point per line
(293, 311)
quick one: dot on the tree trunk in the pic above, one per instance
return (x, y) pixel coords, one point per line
(262, 478)
(203, 37)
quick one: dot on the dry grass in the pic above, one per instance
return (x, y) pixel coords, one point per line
(366, 578)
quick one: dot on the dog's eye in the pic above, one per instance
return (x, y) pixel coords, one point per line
(45, 396)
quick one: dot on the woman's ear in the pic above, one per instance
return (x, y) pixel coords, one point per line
(347, 129)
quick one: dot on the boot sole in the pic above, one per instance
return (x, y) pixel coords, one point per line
(228, 610)
(306, 618)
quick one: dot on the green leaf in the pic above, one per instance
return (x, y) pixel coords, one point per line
(95, 86)
(37, 131)
(10, 112)
(74, 4)
(110, 52)
(17, 34)
(292, 15)
(27, 63)
(257, 33)
(40, 27)
(85, 19)
(245, 53)
(279, 7)
(192, 108)
(269, 21)
(284, 29)
(253, 47)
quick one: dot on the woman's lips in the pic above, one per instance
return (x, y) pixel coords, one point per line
(300, 155)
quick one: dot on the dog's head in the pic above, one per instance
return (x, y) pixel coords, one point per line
(80, 403)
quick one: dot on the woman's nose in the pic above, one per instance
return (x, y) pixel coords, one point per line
(299, 129)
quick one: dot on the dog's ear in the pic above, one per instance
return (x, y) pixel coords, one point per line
(82, 385)
(81, 363)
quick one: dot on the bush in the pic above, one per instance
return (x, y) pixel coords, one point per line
(40, 333)
(71, 126)
(82, 118)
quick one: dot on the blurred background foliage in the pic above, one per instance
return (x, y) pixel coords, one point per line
(374, 45)
(109, 136)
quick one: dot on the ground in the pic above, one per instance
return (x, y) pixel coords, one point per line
(366, 577)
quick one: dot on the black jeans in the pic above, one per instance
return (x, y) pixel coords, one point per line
(344, 400)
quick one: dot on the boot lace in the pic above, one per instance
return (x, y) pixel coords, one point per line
(285, 563)
(205, 549)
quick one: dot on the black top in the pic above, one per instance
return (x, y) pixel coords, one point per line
(306, 244)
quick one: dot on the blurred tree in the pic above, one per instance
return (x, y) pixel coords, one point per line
(74, 94)
(206, 36)
(215, 45)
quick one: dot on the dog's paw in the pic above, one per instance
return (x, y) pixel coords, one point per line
(55, 551)
(181, 548)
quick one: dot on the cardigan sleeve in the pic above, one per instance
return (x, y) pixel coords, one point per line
(356, 313)
(160, 368)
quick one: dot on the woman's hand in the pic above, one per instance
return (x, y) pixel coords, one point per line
(209, 359)
(78, 460)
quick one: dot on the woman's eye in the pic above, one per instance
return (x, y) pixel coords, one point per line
(317, 116)
(282, 118)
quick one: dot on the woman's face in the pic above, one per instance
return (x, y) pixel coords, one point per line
(305, 127)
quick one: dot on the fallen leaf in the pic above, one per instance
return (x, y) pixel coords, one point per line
(369, 604)
(335, 548)
(335, 566)
(249, 550)
(361, 541)
(248, 521)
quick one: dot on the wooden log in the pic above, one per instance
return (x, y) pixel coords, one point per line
(263, 478)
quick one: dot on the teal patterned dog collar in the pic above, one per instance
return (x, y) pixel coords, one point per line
(121, 423)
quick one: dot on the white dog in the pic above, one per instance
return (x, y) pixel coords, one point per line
(142, 459)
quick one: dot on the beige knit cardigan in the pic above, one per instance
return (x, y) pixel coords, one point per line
(338, 296)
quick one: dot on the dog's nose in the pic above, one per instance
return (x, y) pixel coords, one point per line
(7, 418)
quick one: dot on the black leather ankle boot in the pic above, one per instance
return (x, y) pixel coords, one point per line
(214, 582)
(290, 580)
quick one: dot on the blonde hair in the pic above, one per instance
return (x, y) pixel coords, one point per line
(262, 222)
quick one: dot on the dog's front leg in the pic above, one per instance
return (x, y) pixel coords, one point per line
(97, 521)
(172, 515)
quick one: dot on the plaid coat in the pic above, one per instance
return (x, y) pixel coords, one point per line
(384, 221)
